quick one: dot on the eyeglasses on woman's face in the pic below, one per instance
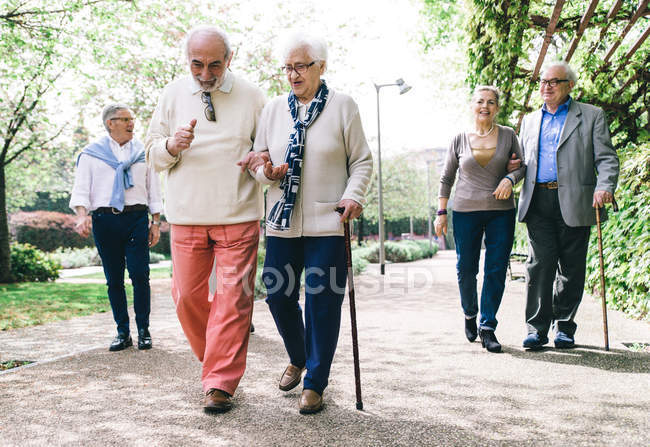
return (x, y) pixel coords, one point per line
(298, 68)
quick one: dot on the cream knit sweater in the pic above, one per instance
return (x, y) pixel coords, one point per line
(337, 163)
(204, 184)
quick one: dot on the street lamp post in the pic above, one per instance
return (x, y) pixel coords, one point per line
(429, 200)
(403, 88)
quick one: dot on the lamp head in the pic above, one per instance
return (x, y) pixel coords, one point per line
(403, 87)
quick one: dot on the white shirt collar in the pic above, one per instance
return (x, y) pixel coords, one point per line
(226, 86)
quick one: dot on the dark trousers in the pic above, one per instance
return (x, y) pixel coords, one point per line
(555, 267)
(124, 238)
(499, 230)
(311, 343)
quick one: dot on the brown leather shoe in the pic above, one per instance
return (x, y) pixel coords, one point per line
(290, 377)
(216, 401)
(310, 402)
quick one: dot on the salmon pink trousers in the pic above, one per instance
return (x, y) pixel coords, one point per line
(216, 326)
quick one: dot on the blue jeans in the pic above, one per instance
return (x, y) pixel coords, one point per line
(312, 343)
(499, 230)
(124, 238)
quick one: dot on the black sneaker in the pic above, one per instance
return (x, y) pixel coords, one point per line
(122, 341)
(144, 339)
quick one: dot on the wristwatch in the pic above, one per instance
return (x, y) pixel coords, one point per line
(155, 222)
(442, 212)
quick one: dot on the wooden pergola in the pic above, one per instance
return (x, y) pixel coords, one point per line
(611, 63)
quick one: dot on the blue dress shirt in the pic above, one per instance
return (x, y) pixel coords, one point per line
(549, 137)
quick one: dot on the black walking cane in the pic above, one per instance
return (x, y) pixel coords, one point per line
(353, 311)
(602, 271)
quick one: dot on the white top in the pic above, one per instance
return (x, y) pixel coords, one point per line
(204, 185)
(337, 163)
(93, 182)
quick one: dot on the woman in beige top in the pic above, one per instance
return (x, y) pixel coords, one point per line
(483, 205)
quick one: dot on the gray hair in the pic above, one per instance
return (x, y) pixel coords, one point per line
(212, 31)
(570, 74)
(487, 88)
(316, 46)
(110, 111)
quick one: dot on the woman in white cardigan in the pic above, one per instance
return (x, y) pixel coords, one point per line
(310, 148)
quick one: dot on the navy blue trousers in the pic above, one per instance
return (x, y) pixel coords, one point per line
(124, 239)
(499, 230)
(311, 343)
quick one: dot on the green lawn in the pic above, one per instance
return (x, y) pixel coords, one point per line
(29, 304)
(154, 273)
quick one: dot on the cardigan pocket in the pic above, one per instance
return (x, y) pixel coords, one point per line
(325, 220)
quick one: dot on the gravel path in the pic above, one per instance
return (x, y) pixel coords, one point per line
(423, 383)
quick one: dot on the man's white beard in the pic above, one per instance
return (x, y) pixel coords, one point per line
(217, 83)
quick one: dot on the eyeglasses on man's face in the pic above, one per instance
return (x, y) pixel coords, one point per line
(551, 82)
(298, 68)
(123, 119)
(206, 98)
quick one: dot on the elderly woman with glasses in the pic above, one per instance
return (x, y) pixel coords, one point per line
(311, 149)
(483, 206)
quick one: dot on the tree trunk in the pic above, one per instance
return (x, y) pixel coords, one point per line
(5, 259)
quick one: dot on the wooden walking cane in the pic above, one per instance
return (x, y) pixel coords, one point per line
(353, 311)
(602, 272)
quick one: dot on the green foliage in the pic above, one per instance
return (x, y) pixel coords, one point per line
(404, 191)
(626, 239)
(403, 251)
(72, 258)
(30, 264)
(29, 304)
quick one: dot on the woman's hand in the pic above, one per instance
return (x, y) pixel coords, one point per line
(253, 160)
(504, 190)
(440, 225)
(275, 173)
(351, 209)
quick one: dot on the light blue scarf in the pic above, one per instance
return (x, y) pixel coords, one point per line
(123, 180)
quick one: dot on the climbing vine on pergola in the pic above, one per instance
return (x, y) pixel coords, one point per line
(606, 42)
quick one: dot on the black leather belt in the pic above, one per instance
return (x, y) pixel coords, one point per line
(547, 185)
(127, 209)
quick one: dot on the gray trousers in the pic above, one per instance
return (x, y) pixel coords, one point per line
(555, 267)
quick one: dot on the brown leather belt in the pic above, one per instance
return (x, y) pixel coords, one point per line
(547, 185)
(127, 209)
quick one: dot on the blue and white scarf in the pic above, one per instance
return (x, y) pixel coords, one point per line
(280, 215)
(123, 180)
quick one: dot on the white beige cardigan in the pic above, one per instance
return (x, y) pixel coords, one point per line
(337, 163)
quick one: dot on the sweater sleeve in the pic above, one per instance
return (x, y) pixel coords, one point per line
(157, 135)
(448, 175)
(359, 159)
(515, 148)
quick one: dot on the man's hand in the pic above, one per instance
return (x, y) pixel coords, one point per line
(154, 234)
(275, 173)
(83, 225)
(182, 139)
(513, 164)
(254, 160)
(440, 225)
(351, 209)
(601, 198)
(504, 189)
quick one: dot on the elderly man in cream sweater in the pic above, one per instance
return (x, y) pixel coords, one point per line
(203, 124)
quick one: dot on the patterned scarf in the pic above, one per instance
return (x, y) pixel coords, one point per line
(123, 180)
(280, 214)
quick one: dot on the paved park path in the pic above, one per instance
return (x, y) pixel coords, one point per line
(423, 383)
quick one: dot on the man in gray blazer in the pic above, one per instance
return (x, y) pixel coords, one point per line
(571, 169)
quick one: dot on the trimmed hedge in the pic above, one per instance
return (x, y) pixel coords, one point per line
(402, 251)
(30, 264)
(46, 230)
